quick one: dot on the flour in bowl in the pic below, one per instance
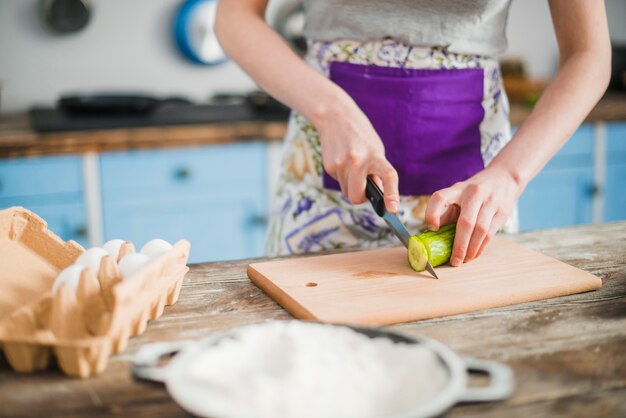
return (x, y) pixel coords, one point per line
(292, 369)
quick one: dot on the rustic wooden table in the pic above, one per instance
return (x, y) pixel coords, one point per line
(568, 354)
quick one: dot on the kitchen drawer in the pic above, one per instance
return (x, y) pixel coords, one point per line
(616, 138)
(581, 142)
(65, 214)
(39, 176)
(615, 193)
(218, 228)
(616, 145)
(557, 198)
(615, 181)
(220, 205)
(187, 169)
(577, 152)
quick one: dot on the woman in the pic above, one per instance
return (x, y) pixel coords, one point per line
(410, 92)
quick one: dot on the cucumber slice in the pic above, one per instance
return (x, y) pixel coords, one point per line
(433, 246)
(418, 254)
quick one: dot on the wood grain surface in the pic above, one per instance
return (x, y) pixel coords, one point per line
(567, 353)
(378, 287)
(17, 139)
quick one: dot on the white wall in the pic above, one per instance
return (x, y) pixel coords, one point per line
(616, 12)
(531, 37)
(128, 45)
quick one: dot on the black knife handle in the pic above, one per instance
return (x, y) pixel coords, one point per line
(375, 196)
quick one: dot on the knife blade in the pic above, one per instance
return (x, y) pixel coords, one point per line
(376, 198)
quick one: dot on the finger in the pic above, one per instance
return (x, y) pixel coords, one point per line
(389, 176)
(481, 230)
(484, 245)
(464, 229)
(498, 220)
(378, 182)
(450, 215)
(330, 165)
(342, 179)
(357, 177)
(438, 205)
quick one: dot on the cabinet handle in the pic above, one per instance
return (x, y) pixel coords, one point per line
(258, 220)
(595, 190)
(80, 232)
(182, 173)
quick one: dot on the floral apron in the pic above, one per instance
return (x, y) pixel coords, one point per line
(441, 116)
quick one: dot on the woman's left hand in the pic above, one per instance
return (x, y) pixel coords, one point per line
(480, 205)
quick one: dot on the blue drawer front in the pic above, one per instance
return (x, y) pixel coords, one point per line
(577, 152)
(615, 184)
(218, 229)
(561, 194)
(183, 169)
(616, 138)
(557, 198)
(219, 203)
(66, 215)
(616, 145)
(581, 142)
(37, 176)
(615, 193)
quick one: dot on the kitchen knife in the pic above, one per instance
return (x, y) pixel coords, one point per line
(376, 198)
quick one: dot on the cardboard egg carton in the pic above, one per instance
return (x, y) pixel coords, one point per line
(80, 328)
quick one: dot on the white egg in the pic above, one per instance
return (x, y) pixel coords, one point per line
(69, 275)
(113, 247)
(131, 263)
(156, 247)
(91, 258)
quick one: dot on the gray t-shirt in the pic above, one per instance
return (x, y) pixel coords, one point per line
(463, 26)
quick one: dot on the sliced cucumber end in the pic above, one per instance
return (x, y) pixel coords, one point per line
(418, 255)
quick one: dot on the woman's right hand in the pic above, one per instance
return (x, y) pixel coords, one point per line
(352, 150)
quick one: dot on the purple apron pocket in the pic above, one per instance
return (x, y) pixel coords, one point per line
(428, 121)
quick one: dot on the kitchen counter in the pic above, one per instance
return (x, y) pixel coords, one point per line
(567, 353)
(18, 139)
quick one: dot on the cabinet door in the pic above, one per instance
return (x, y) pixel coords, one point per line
(561, 195)
(40, 176)
(219, 228)
(65, 213)
(214, 196)
(51, 187)
(67, 220)
(615, 182)
(557, 198)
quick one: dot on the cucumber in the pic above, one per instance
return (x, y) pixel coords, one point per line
(433, 246)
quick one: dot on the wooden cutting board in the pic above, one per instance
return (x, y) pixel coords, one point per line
(377, 287)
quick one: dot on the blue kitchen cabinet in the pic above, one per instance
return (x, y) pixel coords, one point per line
(562, 193)
(218, 228)
(557, 198)
(615, 183)
(41, 176)
(68, 219)
(214, 196)
(52, 187)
